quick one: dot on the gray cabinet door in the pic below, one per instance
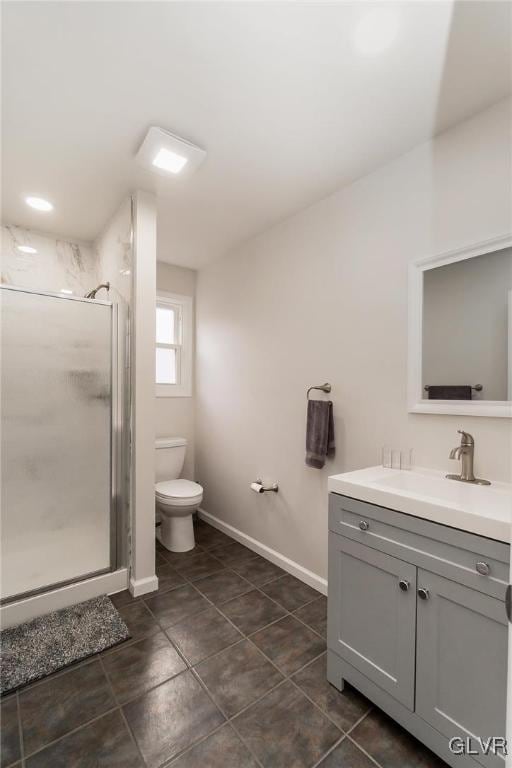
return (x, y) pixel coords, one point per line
(371, 619)
(461, 666)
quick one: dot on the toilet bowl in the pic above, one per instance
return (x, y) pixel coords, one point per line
(175, 499)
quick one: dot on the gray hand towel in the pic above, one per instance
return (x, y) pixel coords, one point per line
(319, 433)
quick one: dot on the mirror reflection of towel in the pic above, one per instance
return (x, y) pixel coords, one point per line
(319, 433)
(449, 392)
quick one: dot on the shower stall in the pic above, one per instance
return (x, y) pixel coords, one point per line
(64, 442)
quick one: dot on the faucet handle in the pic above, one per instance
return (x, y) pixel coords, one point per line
(467, 439)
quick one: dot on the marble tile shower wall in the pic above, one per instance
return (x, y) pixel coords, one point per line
(113, 254)
(73, 266)
(57, 264)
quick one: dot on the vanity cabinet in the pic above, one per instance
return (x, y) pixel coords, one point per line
(417, 622)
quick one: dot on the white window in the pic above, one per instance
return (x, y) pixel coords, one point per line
(173, 354)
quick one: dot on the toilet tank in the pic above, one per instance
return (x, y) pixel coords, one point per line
(170, 455)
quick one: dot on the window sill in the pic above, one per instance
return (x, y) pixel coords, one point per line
(173, 390)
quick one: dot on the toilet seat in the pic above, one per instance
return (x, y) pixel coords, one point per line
(178, 493)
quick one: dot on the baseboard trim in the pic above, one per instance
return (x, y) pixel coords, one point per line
(290, 566)
(143, 586)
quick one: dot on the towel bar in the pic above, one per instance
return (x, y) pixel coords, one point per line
(323, 387)
(476, 387)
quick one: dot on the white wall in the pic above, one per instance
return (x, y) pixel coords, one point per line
(142, 576)
(323, 297)
(175, 415)
(465, 324)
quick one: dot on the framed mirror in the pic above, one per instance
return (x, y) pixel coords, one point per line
(460, 331)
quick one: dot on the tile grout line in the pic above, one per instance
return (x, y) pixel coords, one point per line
(218, 653)
(162, 682)
(248, 638)
(226, 721)
(348, 737)
(298, 688)
(259, 588)
(194, 613)
(331, 749)
(168, 763)
(308, 626)
(344, 734)
(228, 570)
(317, 706)
(118, 705)
(246, 745)
(20, 728)
(229, 720)
(22, 689)
(355, 743)
(266, 626)
(286, 677)
(131, 735)
(360, 720)
(121, 712)
(189, 667)
(109, 682)
(72, 731)
(84, 725)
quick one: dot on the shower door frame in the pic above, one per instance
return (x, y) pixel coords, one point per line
(116, 431)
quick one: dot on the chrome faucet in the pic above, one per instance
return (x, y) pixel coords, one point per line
(466, 453)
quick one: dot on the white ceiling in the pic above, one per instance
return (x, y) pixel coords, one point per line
(276, 93)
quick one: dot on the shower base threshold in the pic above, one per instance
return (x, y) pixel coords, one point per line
(27, 608)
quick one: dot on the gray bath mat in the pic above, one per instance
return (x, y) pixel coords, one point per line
(43, 645)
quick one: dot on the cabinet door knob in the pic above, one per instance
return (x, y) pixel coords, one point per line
(483, 569)
(364, 525)
(423, 593)
(404, 585)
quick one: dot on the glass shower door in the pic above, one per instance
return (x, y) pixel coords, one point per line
(57, 511)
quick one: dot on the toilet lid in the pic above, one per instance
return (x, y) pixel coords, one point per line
(178, 489)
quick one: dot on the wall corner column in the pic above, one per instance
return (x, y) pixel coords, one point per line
(142, 573)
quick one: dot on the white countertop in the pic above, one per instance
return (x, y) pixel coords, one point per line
(482, 509)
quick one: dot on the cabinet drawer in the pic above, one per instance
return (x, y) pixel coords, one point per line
(477, 562)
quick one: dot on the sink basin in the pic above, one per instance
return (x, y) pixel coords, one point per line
(426, 493)
(424, 485)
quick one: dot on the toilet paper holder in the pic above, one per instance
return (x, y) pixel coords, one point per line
(258, 487)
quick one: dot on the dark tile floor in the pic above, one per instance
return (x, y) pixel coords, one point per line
(225, 669)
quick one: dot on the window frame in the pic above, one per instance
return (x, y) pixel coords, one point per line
(184, 349)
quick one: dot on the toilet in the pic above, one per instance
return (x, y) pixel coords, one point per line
(176, 499)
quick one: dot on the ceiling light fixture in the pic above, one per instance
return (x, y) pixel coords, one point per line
(26, 249)
(39, 203)
(169, 161)
(377, 30)
(167, 154)
(65, 290)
